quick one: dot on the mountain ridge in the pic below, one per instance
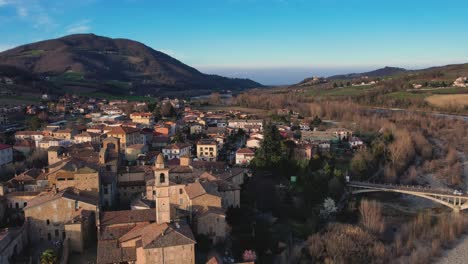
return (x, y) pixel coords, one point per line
(90, 61)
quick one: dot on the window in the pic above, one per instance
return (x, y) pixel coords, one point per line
(162, 178)
(64, 235)
(181, 191)
(48, 222)
(154, 192)
(49, 237)
(24, 204)
(106, 191)
(181, 201)
(56, 232)
(76, 205)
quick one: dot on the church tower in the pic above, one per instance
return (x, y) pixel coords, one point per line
(161, 184)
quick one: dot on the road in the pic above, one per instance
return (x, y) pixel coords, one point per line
(458, 254)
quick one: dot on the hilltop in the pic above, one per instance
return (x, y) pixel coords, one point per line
(87, 63)
(386, 71)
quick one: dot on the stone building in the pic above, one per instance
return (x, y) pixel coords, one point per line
(147, 235)
(127, 136)
(62, 214)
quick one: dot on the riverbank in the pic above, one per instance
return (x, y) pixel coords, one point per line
(456, 255)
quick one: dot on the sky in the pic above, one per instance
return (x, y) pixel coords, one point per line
(270, 41)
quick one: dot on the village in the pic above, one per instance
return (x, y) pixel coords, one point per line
(137, 182)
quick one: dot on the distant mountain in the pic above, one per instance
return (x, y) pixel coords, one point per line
(90, 63)
(387, 71)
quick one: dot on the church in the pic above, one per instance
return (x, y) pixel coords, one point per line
(161, 225)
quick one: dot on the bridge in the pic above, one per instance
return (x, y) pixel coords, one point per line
(446, 197)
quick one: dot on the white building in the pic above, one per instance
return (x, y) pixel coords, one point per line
(244, 156)
(6, 154)
(176, 151)
(88, 137)
(356, 142)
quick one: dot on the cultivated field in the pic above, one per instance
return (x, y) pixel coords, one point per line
(448, 100)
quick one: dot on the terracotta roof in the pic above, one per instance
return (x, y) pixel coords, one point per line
(144, 114)
(245, 151)
(127, 216)
(68, 193)
(123, 130)
(194, 190)
(207, 176)
(152, 236)
(28, 133)
(109, 252)
(167, 235)
(177, 146)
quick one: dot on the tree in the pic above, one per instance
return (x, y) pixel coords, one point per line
(34, 123)
(167, 110)
(270, 148)
(48, 257)
(371, 216)
(178, 138)
(215, 98)
(315, 122)
(328, 208)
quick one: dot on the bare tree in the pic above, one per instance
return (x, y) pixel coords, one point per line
(371, 216)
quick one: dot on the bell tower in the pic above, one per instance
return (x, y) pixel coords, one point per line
(161, 185)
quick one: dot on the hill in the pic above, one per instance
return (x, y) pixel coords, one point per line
(435, 88)
(384, 72)
(86, 63)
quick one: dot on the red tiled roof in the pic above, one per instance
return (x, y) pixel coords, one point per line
(245, 151)
(127, 216)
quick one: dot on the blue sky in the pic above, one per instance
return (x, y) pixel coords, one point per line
(260, 39)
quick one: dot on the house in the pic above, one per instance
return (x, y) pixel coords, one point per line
(93, 138)
(6, 154)
(304, 152)
(26, 147)
(246, 125)
(207, 149)
(176, 150)
(356, 142)
(160, 142)
(144, 118)
(196, 129)
(244, 156)
(62, 214)
(67, 133)
(253, 143)
(132, 152)
(127, 136)
(36, 136)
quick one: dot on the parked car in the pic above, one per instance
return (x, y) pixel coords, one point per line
(458, 192)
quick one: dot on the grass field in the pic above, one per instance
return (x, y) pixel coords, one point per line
(448, 100)
(343, 91)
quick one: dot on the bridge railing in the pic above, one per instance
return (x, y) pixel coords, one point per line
(403, 187)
